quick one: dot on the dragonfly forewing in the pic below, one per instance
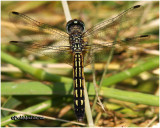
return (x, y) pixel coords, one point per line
(117, 27)
(29, 26)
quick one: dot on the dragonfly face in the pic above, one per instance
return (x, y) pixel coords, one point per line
(76, 51)
(75, 25)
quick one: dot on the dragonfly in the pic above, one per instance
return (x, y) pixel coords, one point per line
(76, 46)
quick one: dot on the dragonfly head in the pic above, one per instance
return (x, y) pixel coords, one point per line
(75, 25)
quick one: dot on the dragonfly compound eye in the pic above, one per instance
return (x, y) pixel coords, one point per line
(72, 24)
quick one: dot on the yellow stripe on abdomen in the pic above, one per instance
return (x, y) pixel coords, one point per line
(78, 75)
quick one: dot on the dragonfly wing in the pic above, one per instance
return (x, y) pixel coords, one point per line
(100, 50)
(41, 38)
(55, 52)
(98, 45)
(119, 26)
(114, 32)
(36, 30)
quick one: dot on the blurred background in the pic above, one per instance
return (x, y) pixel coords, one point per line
(120, 113)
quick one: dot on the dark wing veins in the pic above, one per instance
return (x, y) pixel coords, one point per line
(24, 22)
(117, 32)
(43, 39)
(109, 27)
(58, 52)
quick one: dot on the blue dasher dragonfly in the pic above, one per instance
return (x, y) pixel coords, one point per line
(75, 47)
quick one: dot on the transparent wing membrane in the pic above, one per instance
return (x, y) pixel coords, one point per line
(127, 42)
(117, 31)
(45, 40)
(30, 26)
(122, 25)
(41, 38)
(54, 52)
(101, 49)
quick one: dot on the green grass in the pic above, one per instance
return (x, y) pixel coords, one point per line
(37, 91)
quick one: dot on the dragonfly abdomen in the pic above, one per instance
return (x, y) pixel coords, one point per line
(78, 77)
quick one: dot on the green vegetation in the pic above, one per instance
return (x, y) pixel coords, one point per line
(44, 86)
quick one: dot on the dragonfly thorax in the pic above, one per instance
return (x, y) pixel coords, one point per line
(76, 42)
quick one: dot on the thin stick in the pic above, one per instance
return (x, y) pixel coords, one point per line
(103, 75)
(46, 117)
(151, 121)
(66, 11)
(105, 71)
(87, 105)
(88, 108)
(96, 89)
(94, 77)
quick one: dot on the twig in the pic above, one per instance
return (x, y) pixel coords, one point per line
(66, 11)
(152, 120)
(87, 105)
(153, 25)
(95, 87)
(102, 78)
(148, 51)
(46, 117)
(98, 117)
(88, 108)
